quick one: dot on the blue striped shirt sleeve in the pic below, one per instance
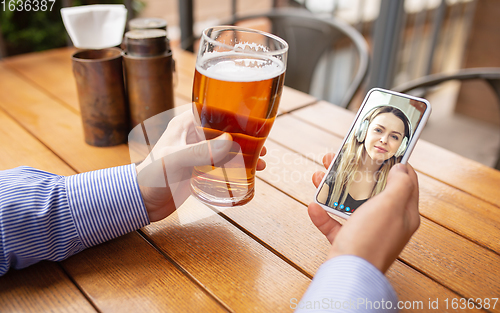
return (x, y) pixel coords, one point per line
(44, 216)
(347, 284)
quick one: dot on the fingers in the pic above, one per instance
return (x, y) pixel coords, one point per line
(317, 178)
(178, 125)
(219, 147)
(203, 153)
(327, 225)
(261, 165)
(401, 192)
(263, 152)
(413, 177)
(402, 181)
(327, 159)
(399, 185)
(413, 201)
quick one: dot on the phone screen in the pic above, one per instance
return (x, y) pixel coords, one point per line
(383, 134)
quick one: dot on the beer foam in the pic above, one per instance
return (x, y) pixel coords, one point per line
(251, 46)
(239, 67)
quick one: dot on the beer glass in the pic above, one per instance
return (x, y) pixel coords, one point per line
(237, 89)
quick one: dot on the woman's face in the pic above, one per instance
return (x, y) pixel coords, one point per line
(384, 136)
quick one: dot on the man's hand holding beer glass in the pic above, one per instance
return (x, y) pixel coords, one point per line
(237, 89)
(164, 176)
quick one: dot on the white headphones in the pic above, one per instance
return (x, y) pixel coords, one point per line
(360, 133)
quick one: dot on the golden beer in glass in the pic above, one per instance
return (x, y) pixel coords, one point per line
(237, 89)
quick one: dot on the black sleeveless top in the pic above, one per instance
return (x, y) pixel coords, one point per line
(352, 204)
(349, 206)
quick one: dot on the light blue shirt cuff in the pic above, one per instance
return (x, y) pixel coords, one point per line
(348, 284)
(106, 204)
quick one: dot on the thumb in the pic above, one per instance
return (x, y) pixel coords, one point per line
(326, 224)
(400, 186)
(203, 153)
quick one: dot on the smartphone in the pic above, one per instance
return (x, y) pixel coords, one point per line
(384, 132)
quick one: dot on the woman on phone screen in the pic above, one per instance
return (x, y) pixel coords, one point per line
(360, 172)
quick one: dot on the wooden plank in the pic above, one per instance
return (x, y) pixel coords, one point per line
(36, 293)
(129, 275)
(304, 138)
(419, 293)
(292, 193)
(455, 170)
(473, 177)
(290, 172)
(328, 117)
(239, 271)
(184, 72)
(477, 220)
(55, 125)
(50, 70)
(284, 225)
(21, 148)
(178, 101)
(184, 86)
(459, 264)
(293, 99)
(185, 61)
(447, 244)
(42, 287)
(454, 206)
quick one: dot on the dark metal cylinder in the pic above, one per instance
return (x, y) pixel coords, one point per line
(147, 23)
(101, 94)
(149, 77)
(149, 86)
(146, 42)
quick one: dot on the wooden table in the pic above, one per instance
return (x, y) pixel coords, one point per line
(255, 258)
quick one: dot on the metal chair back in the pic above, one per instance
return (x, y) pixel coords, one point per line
(487, 74)
(309, 37)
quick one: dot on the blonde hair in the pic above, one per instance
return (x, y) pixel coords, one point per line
(348, 162)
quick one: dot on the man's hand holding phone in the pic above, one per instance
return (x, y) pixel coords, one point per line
(383, 134)
(381, 227)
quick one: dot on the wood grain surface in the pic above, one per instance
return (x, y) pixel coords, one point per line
(433, 250)
(440, 202)
(129, 275)
(50, 71)
(253, 258)
(55, 125)
(243, 274)
(20, 148)
(43, 287)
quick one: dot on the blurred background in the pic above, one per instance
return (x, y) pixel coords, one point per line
(407, 39)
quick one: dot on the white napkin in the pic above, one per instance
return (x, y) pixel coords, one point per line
(95, 26)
